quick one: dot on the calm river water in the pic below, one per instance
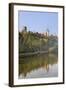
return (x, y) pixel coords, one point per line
(38, 66)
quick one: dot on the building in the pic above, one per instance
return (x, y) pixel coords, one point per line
(46, 34)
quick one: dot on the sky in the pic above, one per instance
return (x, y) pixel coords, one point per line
(38, 21)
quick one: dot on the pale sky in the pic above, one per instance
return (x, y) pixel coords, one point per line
(38, 21)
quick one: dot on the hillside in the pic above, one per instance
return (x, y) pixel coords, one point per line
(32, 42)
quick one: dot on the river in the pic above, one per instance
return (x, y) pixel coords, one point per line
(38, 66)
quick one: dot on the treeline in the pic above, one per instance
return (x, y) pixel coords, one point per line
(31, 42)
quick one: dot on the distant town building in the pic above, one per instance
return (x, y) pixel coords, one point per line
(46, 34)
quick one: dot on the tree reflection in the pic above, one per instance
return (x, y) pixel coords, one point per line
(28, 64)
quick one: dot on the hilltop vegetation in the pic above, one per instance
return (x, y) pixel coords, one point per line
(32, 42)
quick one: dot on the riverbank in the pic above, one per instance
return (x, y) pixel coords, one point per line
(32, 53)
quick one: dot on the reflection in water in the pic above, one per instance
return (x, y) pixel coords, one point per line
(38, 66)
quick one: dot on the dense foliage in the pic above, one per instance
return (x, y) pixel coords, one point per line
(32, 42)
